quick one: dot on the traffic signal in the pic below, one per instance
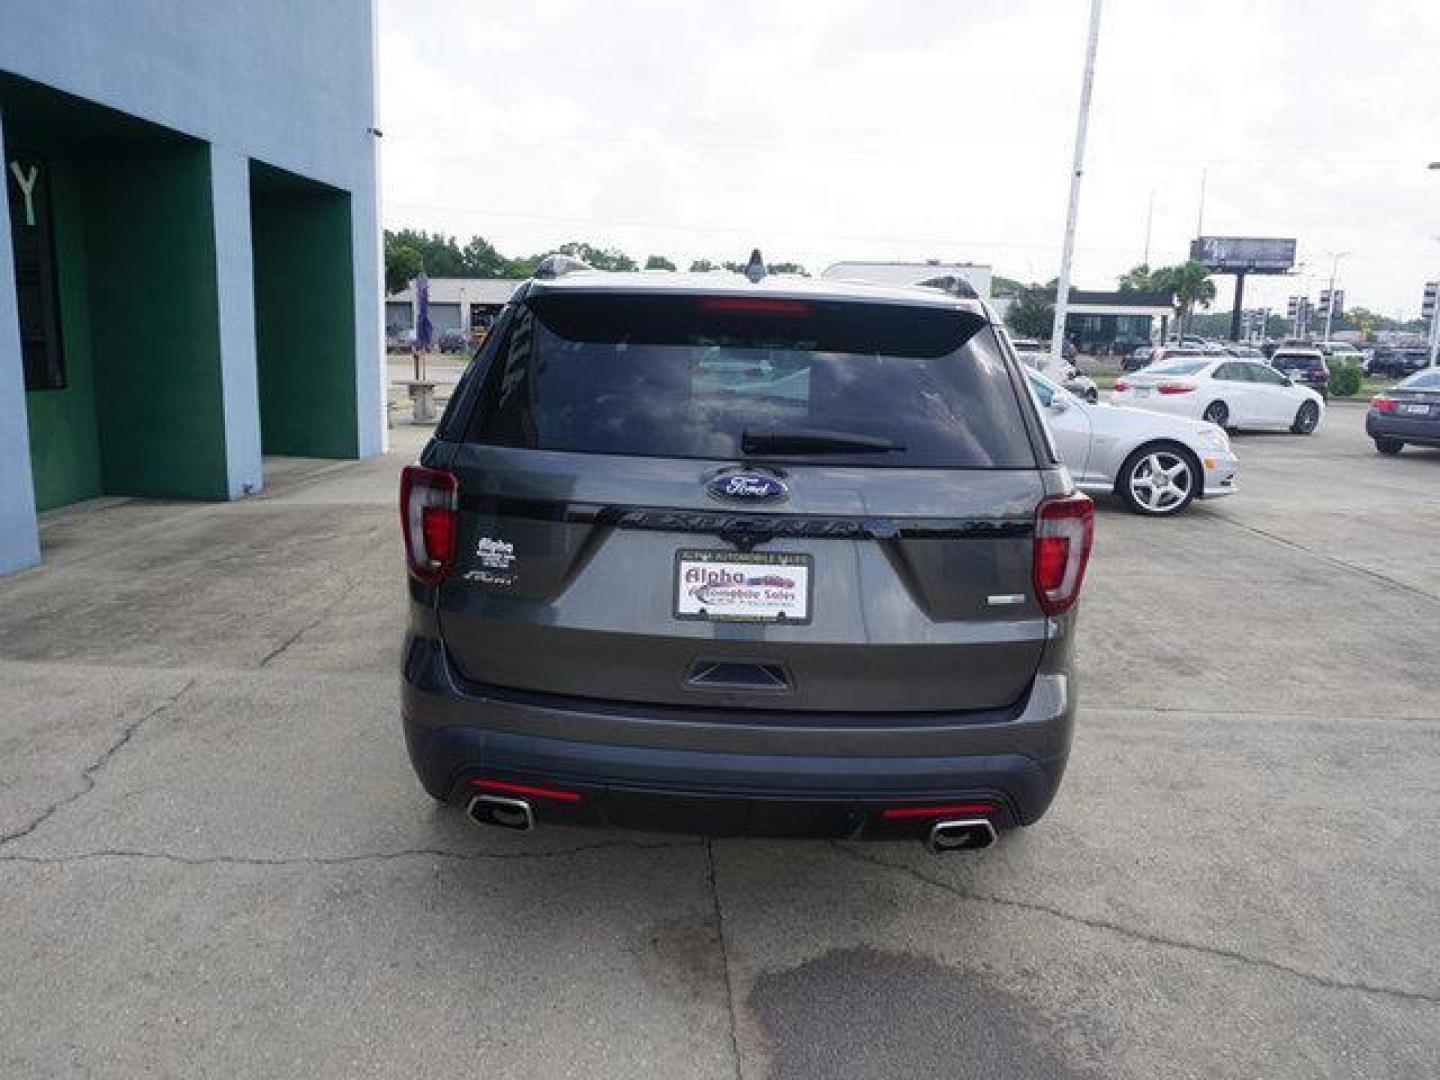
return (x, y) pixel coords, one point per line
(1292, 308)
(1427, 306)
(1323, 308)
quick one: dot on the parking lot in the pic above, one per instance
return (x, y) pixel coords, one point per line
(216, 861)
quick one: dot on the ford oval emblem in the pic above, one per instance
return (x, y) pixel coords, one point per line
(747, 487)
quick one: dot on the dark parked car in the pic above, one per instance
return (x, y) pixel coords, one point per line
(587, 644)
(1139, 358)
(1398, 363)
(453, 341)
(1304, 366)
(1407, 413)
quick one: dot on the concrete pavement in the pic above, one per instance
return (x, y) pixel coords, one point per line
(214, 859)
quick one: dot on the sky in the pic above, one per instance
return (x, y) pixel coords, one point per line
(829, 130)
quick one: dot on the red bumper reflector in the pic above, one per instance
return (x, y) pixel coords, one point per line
(508, 788)
(900, 813)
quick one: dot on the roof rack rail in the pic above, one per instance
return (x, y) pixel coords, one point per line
(558, 263)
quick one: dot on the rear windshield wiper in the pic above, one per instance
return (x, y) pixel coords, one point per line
(807, 440)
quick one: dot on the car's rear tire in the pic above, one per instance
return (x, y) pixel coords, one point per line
(1158, 480)
(1307, 417)
(1389, 447)
(1218, 413)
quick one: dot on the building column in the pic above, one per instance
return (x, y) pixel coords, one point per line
(235, 295)
(370, 370)
(19, 530)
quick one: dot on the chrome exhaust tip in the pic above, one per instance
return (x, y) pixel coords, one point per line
(502, 812)
(966, 834)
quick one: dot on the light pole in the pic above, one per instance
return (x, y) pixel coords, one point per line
(1062, 286)
(1335, 257)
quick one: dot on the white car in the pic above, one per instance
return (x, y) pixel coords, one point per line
(1034, 355)
(1232, 392)
(1156, 464)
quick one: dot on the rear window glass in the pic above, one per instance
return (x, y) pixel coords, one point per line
(1427, 380)
(1178, 367)
(1295, 361)
(738, 377)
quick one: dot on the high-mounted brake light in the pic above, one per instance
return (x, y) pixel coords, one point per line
(1175, 388)
(429, 521)
(1381, 403)
(1064, 533)
(755, 305)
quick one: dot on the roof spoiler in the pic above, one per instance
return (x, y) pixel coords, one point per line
(558, 264)
(953, 284)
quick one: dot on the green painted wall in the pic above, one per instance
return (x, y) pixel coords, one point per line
(64, 435)
(304, 318)
(154, 321)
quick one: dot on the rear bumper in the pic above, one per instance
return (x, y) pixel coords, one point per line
(1380, 425)
(652, 769)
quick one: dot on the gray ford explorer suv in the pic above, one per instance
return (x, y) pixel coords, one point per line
(742, 554)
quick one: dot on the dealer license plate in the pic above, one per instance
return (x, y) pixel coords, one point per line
(1415, 409)
(1142, 391)
(726, 586)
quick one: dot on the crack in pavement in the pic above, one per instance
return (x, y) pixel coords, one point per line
(88, 774)
(341, 860)
(724, 956)
(1394, 583)
(1145, 936)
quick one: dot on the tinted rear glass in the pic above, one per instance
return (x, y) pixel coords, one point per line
(1295, 362)
(1178, 367)
(693, 376)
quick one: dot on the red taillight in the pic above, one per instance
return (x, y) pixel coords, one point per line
(901, 813)
(1381, 403)
(509, 787)
(755, 305)
(1064, 533)
(1122, 384)
(428, 521)
(1174, 388)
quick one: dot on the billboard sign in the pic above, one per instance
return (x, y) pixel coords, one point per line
(1250, 254)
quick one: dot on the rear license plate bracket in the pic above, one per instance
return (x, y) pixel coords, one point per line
(755, 587)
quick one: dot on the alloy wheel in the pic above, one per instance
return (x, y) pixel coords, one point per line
(1161, 482)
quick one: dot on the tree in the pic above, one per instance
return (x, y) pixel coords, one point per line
(598, 257)
(482, 260)
(659, 262)
(1191, 284)
(1032, 315)
(439, 253)
(402, 265)
(788, 268)
(702, 266)
(1139, 279)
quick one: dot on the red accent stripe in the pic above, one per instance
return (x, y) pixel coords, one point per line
(527, 789)
(898, 813)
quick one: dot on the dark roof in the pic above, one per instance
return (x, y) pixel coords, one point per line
(1127, 298)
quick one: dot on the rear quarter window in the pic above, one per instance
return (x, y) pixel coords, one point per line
(695, 376)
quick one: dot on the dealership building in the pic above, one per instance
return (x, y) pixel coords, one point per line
(189, 249)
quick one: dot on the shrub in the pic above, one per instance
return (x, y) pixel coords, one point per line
(1345, 379)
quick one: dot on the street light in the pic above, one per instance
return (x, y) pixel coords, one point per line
(1335, 257)
(1056, 366)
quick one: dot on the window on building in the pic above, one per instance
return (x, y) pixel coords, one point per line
(27, 188)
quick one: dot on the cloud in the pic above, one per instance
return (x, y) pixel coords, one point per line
(830, 130)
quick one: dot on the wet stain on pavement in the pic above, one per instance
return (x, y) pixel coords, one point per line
(859, 1013)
